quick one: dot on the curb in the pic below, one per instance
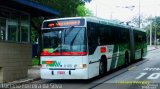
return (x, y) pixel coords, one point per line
(153, 49)
(22, 81)
(28, 81)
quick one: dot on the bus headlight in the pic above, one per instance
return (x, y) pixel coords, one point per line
(43, 65)
(82, 66)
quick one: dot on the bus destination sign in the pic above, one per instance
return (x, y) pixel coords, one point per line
(64, 23)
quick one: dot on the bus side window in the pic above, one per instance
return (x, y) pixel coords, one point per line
(144, 37)
(137, 36)
(92, 37)
(104, 35)
(115, 35)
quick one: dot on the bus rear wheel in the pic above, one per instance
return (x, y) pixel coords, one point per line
(141, 54)
(126, 58)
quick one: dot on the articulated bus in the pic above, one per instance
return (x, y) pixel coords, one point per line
(85, 47)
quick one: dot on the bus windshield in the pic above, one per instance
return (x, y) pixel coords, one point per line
(64, 41)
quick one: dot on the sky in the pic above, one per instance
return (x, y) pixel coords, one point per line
(116, 9)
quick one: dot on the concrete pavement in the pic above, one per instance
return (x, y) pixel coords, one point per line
(149, 48)
(33, 75)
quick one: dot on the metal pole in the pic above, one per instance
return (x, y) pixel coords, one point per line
(139, 15)
(111, 15)
(96, 9)
(155, 35)
(155, 38)
(150, 34)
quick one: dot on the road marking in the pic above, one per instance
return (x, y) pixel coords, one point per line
(137, 64)
(152, 69)
(133, 82)
(150, 86)
(154, 76)
(149, 76)
(132, 68)
(141, 75)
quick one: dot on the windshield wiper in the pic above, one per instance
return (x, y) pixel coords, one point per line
(69, 30)
(74, 37)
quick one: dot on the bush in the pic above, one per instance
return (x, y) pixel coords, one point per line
(35, 61)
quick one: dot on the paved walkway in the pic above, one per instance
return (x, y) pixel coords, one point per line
(33, 75)
(34, 72)
(149, 48)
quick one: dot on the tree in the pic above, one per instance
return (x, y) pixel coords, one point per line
(83, 11)
(67, 8)
(135, 21)
(155, 23)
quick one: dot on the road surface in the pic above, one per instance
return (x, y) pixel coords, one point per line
(144, 74)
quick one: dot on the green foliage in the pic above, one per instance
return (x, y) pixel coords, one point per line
(157, 25)
(83, 11)
(67, 8)
(34, 35)
(154, 24)
(135, 21)
(36, 26)
(155, 21)
(35, 61)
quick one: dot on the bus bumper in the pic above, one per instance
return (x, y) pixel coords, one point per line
(64, 74)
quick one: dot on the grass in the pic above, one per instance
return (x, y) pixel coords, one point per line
(35, 61)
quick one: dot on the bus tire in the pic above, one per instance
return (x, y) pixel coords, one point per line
(141, 54)
(103, 66)
(126, 58)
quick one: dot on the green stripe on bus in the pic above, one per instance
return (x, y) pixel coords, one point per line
(113, 62)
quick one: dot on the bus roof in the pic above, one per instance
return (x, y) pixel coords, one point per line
(98, 20)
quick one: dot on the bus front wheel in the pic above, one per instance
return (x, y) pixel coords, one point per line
(101, 68)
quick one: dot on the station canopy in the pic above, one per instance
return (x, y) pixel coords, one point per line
(33, 8)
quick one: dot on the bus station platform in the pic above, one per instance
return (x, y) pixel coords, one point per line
(33, 75)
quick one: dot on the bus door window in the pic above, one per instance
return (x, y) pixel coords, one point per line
(92, 37)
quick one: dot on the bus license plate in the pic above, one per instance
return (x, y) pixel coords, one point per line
(60, 72)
